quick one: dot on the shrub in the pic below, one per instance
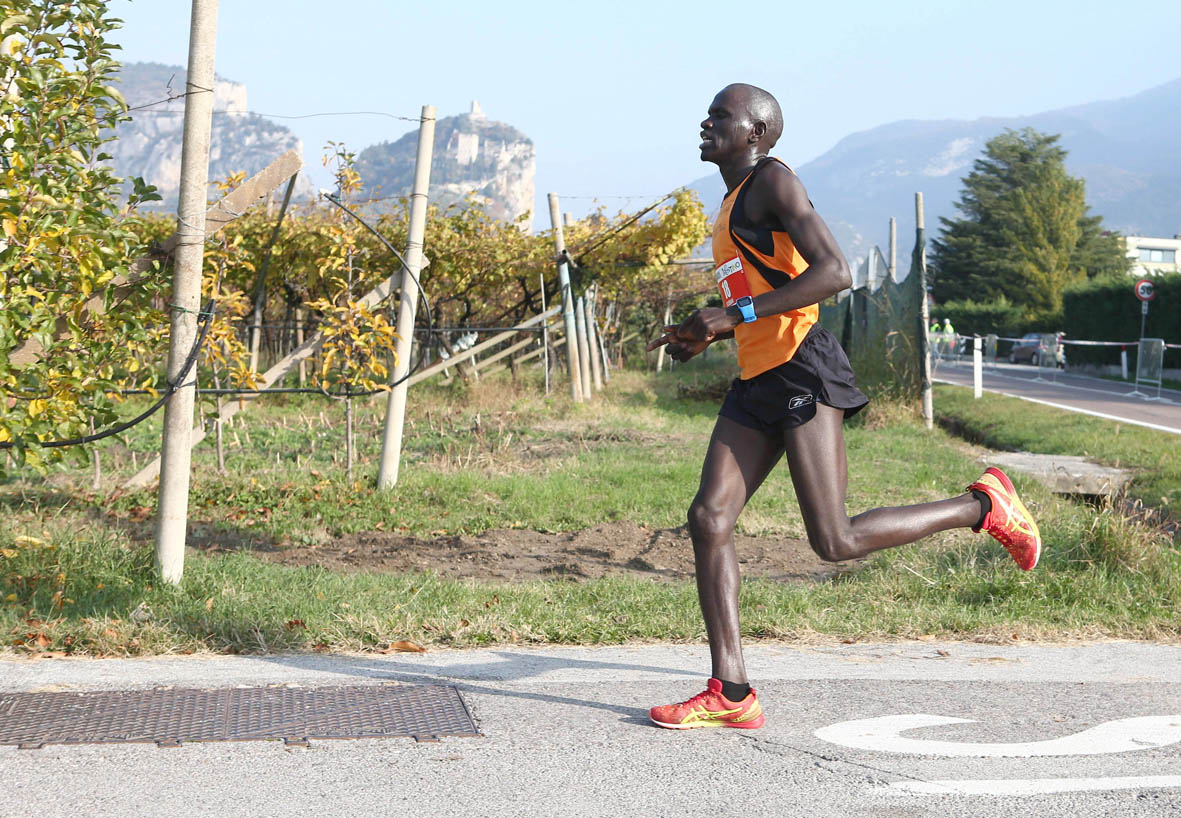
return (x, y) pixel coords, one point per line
(982, 318)
(1106, 309)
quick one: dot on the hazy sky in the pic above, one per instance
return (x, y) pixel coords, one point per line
(611, 93)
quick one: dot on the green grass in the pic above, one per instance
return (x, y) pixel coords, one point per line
(1011, 424)
(1102, 579)
(76, 570)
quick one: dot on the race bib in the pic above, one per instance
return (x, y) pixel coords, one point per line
(732, 283)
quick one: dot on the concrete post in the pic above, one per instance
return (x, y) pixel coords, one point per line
(555, 218)
(544, 336)
(893, 250)
(977, 368)
(665, 321)
(391, 444)
(592, 339)
(299, 331)
(175, 451)
(583, 347)
(920, 249)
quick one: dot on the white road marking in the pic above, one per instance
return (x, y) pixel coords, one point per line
(1111, 391)
(1036, 786)
(1103, 415)
(1120, 736)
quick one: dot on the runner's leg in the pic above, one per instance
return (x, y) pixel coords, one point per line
(736, 463)
(816, 457)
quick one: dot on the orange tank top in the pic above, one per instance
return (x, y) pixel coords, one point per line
(752, 260)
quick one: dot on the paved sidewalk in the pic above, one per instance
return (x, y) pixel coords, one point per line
(1087, 730)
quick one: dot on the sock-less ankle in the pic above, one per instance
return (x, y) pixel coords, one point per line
(985, 507)
(735, 691)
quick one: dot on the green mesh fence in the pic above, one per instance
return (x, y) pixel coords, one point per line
(877, 322)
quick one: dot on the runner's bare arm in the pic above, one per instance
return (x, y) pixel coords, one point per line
(778, 199)
(683, 350)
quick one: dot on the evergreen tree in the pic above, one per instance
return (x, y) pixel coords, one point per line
(1025, 233)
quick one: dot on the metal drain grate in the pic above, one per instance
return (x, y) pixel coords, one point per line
(170, 717)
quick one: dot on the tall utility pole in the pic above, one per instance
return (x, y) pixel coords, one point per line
(555, 218)
(391, 444)
(919, 265)
(175, 452)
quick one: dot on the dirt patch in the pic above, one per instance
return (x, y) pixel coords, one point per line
(618, 549)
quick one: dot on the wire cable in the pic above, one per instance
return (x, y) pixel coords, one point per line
(430, 320)
(207, 315)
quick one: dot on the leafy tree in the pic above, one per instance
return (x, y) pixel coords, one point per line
(63, 237)
(1025, 233)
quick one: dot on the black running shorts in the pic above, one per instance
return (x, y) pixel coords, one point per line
(786, 396)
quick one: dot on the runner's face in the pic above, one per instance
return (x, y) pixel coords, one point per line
(726, 129)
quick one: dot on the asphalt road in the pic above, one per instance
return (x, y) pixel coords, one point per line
(954, 729)
(1077, 393)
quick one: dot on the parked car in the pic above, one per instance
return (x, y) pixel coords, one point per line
(1030, 348)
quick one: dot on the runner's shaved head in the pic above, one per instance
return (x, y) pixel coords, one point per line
(761, 106)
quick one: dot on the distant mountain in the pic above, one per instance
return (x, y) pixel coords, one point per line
(1125, 149)
(150, 144)
(472, 155)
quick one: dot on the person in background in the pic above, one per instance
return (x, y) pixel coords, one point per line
(949, 339)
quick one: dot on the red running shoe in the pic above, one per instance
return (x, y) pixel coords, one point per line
(1009, 521)
(710, 709)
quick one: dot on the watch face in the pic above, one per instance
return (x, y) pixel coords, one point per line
(745, 300)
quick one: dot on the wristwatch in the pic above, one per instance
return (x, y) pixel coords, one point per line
(746, 305)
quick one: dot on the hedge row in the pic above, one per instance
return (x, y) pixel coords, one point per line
(1106, 309)
(1099, 309)
(977, 318)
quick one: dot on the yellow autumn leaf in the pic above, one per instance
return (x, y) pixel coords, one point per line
(9, 226)
(37, 406)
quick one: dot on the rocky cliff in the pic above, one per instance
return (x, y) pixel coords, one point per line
(473, 155)
(149, 145)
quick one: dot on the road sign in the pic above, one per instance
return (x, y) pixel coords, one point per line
(1145, 290)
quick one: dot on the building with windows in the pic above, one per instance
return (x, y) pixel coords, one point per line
(1154, 256)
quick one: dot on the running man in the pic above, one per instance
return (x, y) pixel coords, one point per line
(775, 261)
